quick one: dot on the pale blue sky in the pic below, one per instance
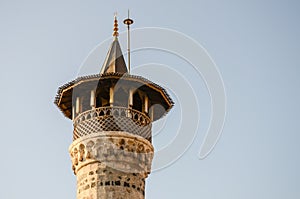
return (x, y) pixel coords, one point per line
(255, 45)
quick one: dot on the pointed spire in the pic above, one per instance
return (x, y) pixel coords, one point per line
(114, 61)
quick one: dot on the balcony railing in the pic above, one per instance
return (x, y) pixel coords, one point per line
(112, 119)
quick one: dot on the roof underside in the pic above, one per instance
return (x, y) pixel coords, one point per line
(67, 92)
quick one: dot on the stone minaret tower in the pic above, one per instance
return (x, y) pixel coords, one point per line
(112, 114)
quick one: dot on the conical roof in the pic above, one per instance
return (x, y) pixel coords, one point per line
(114, 61)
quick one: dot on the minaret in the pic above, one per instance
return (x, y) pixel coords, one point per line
(112, 114)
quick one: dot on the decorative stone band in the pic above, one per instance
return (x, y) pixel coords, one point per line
(112, 119)
(119, 151)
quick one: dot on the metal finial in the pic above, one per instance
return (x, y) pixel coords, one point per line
(128, 22)
(115, 34)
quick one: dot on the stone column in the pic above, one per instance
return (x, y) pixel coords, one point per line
(111, 165)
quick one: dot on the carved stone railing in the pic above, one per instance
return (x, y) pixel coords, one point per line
(112, 119)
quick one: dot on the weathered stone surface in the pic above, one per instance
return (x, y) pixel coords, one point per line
(95, 181)
(111, 165)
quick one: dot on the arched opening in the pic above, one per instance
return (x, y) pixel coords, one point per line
(102, 97)
(121, 97)
(137, 101)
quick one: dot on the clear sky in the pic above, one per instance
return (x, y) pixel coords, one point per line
(255, 45)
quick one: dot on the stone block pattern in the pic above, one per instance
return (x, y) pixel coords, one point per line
(96, 181)
(111, 165)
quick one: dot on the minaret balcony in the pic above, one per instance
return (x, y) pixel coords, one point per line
(113, 118)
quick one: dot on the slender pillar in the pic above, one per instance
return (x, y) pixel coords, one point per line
(130, 98)
(73, 113)
(151, 114)
(146, 104)
(111, 96)
(93, 99)
(78, 105)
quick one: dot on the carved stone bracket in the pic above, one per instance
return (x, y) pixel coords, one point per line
(119, 151)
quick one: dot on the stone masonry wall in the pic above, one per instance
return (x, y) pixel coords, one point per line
(111, 165)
